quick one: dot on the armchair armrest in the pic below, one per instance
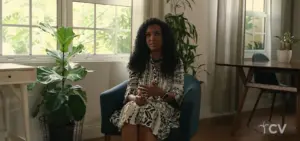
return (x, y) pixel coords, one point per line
(190, 110)
(110, 101)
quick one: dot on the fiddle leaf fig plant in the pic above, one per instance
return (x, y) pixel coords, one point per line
(62, 102)
(185, 34)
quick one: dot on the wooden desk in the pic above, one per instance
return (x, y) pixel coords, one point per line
(273, 66)
(16, 77)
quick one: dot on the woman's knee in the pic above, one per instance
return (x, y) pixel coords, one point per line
(146, 134)
(145, 129)
(129, 132)
(129, 127)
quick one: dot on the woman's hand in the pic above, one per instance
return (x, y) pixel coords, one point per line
(151, 90)
(170, 97)
(140, 100)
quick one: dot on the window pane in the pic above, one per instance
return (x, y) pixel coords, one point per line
(105, 42)
(254, 42)
(258, 5)
(249, 24)
(124, 17)
(86, 37)
(83, 14)
(15, 12)
(258, 42)
(248, 42)
(106, 15)
(15, 40)
(42, 41)
(123, 42)
(44, 11)
(259, 25)
(249, 4)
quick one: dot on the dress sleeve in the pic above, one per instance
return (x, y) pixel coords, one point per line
(132, 85)
(178, 83)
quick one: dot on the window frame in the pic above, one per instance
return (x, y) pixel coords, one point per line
(8, 58)
(267, 39)
(64, 18)
(94, 28)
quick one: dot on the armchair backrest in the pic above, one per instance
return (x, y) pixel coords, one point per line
(188, 80)
(261, 76)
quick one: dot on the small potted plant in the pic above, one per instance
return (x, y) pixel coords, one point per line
(62, 104)
(284, 53)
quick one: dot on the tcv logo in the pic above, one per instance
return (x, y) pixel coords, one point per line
(273, 128)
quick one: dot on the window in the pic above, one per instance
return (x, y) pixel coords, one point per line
(104, 26)
(256, 27)
(18, 27)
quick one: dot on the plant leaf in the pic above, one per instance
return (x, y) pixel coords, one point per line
(189, 4)
(66, 35)
(55, 54)
(75, 50)
(46, 75)
(47, 28)
(76, 72)
(77, 89)
(31, 86)
(77, 106)
(54, 100)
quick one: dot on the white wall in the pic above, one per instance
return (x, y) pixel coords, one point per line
(199, 16)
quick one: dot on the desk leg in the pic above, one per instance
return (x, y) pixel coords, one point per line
(298, 103)
(25, 110)
(6, 113)
(236, 123)
(298, 112)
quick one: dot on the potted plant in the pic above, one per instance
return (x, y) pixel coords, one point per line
(62, 104)
(186, 35)
(284, 53)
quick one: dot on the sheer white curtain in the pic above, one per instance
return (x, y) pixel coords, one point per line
(226, 44)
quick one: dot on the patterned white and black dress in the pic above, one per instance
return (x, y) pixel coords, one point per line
(156, 114)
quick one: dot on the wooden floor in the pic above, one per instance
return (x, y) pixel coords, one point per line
(218, 129)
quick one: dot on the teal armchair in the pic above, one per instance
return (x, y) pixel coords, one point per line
(112, 100)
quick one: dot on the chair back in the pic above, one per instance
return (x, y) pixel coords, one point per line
(259, 75)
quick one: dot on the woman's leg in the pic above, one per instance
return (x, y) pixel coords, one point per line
(129, 132)
(145, 134)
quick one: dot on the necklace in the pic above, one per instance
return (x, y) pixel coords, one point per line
(157, 60)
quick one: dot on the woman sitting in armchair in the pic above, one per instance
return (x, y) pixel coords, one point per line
(156, 78)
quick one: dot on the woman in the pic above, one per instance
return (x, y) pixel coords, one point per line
(156, 80)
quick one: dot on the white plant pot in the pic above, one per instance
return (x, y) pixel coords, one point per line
(284, 56)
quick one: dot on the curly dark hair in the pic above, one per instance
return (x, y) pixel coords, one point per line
(141, 54)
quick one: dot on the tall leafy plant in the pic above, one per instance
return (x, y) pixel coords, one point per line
(185, 33)
(62, 103)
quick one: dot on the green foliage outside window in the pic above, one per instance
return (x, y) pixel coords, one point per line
(16, 28)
